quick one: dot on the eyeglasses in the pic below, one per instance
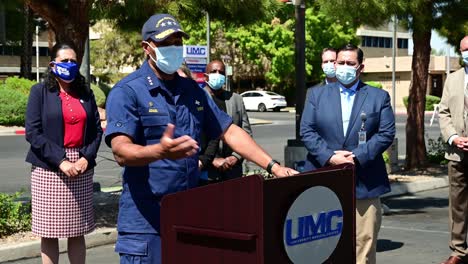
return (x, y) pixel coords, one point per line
(68, 60)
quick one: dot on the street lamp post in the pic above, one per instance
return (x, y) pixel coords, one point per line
(299, 37)
(37, 53)
(228, 68)
(295, 151)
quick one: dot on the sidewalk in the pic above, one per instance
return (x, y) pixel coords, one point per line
(401, 184)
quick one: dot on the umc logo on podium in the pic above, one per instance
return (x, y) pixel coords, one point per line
(313, 226)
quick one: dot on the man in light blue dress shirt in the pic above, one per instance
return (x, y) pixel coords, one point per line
(351, 122)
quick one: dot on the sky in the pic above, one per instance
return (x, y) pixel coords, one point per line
(438, 43)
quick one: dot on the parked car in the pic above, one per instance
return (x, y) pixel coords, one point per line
(263, 100)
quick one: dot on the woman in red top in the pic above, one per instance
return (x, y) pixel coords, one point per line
(63, 128)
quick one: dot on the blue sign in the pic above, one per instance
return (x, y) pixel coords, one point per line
(195, 51)
(197, 67)
(311, 229)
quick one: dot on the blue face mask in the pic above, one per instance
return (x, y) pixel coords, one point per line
(169, 58)
(216, 80)
(465, 57)
(65, 70)
(329, 69)
(345, 74)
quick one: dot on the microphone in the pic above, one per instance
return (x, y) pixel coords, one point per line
(363, 117)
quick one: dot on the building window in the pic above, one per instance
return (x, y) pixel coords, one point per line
(43, 51)
(402, 43)
(388, 43)
(383, 42)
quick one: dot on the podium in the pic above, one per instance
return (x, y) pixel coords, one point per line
(305, 218)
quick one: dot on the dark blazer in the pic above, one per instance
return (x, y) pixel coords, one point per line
(44, 128)
(322, 133)
(217, 148)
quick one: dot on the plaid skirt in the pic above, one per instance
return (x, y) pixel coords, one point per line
(62, 207)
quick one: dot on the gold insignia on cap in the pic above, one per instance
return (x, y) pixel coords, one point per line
(150, 104)
(164, 34)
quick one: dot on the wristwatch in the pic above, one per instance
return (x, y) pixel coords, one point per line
(270, 165)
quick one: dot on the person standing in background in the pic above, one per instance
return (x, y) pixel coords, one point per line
(328, 57)
(64, 131)
(453, 120)
(328, 65)
(217, 160)
(350, 122)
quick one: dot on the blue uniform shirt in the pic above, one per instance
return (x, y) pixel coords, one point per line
(140, 106)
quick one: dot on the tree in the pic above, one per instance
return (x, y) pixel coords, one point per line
(131, 14)
(113, 50)
(263, 51)
(26, 43)
(16, 32)
(421, 16)
(68, 19)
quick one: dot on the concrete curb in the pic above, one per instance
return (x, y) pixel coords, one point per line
(402, 188)
(256, 121)
(10, 132)
(31, 249)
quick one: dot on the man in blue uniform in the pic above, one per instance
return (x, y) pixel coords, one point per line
(155, 118)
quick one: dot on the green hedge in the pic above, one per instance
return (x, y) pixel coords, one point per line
(99, 95)
(12, 106)
(14, 94)
(15, 216)
(431, 100)
(19, 84)
(375, 84)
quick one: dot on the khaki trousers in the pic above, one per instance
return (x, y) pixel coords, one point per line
(368, 220)
(458, 204)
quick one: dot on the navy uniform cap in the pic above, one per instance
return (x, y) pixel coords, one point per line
(160, 26)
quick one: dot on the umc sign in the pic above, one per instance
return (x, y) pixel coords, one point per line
(313, 226)
(197, 51)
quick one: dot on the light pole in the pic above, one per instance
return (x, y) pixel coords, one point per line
(394, 146)
(295, 150)
(207, 37)
(299, 36)
(228, 68)
(37, 53)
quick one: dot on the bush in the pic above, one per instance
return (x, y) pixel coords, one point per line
(12, 107)
(99, 95)
(105, 88)
(19, 84)
(436, 151)
(386, 157)
(375, 84)
(14, 216)
(13, 100)
(431, 100)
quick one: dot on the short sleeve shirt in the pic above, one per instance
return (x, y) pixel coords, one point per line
(140, 107)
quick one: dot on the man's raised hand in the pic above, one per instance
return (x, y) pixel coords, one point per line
(177, 148)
